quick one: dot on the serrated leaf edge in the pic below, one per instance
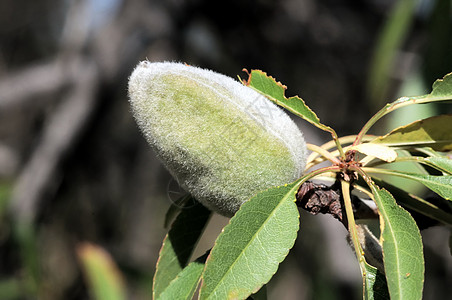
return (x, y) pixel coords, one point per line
(293, 190)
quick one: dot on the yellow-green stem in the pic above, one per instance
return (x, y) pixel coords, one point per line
(316, 157)
(416, 159)
(413, 202)
(352, 226)
(322, 152)
(384, 171)
(363, 190)
(390, 107)
(312, 174)
(338, 144)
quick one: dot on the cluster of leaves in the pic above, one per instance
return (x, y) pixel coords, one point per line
(258, 238)
(248, 251)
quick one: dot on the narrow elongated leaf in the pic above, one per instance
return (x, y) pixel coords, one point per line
(412, 164)
(402, 248)
(442, 89)
(102, 274)
(434, 132)
(184, 285)
(178, 245)
(375, 287)
(379, 151)
(443, 164)
(442, 185)
(414, 203)
(275, 91)
(248, 251)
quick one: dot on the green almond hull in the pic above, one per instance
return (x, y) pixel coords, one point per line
(222, 141)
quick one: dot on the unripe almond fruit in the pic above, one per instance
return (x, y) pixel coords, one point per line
(221, 140)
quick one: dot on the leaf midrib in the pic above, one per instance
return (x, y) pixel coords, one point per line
(253, 238)
(383, 210)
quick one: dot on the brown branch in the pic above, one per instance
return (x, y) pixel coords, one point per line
(36, 82)
(32, 83)
(318, 198)
(59, 135)
(82, 79)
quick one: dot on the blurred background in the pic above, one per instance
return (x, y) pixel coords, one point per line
(74, 167)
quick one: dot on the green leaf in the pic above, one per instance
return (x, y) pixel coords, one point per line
(434, 132)
(375, 287)
(184, 285)
(442, 185)
(406, 162)
(178, 245)
(379, 151)
(443, 164)
(275, 91)
(248, 251)
(261, 294)
(402, 248)
(415, 203)
(102, 275)
(442, 89)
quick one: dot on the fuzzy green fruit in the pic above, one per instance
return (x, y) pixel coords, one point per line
(221, 140)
